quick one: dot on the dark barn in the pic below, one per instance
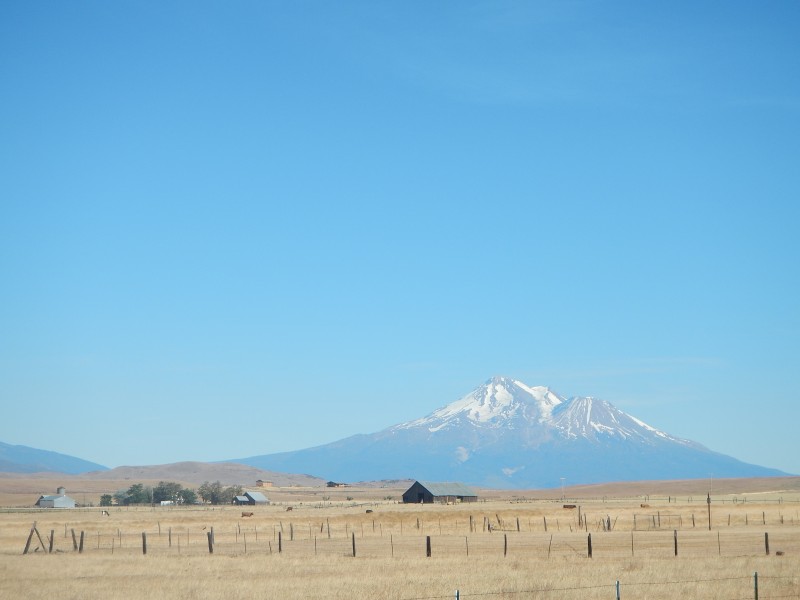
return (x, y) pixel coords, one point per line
(426, 492)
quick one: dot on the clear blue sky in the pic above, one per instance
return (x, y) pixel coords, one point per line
(236, 228)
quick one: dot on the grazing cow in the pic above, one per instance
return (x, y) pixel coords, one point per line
(644, 505)
(288, 508)
(247, 514)
(105, 513)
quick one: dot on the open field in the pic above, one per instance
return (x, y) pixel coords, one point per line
(513, 545)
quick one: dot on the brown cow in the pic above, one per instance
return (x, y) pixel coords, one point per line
(247, 514)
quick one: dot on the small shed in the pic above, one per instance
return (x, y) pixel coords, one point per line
(426, 492)
(59, 500)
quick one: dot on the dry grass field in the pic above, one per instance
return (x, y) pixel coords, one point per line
(510, 546)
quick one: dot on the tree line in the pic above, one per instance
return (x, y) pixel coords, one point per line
(169, 491)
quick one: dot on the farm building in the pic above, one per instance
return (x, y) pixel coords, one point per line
(251, 498)
(59, 500)
(432, 491)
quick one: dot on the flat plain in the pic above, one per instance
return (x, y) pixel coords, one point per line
(648, 540)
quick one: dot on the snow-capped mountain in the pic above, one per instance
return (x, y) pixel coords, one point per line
(508, 434)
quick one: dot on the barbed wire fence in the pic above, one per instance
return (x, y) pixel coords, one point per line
(753, 587)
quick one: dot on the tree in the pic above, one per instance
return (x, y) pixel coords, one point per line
(186, 496)
(106, 500)
(139, 494)
(210, 492)
(166, 491)
(214, 493)
(229, 493)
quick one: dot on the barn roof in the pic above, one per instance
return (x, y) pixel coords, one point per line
(256, 497)
(447, 488)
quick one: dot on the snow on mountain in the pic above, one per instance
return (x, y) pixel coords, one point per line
(494, 404)
(507, 404)
(508, 434)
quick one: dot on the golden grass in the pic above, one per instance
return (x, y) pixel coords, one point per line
(546, 558)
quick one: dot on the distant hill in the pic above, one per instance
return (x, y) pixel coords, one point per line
(505, 434)
(227, 473)
(23, 459)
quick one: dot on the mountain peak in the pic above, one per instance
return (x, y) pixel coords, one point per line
(505, 433)
(497, 402)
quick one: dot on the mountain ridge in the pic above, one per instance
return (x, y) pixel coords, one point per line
(506, 433)
(24, 459)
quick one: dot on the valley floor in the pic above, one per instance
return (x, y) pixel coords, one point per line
(503, 548)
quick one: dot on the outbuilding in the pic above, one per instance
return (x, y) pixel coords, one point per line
(251, 498)
(426, 492)
(59, 500)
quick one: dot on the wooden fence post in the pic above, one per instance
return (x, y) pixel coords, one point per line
(30, 537)
(354, 545)
(428, 546)
(766, 542)
(144, 542)
(280, 543)
(505, 545)
(675, 536)
(210, 542)
(74, 541)
(80, 547)
(52, 537)
(590, 545)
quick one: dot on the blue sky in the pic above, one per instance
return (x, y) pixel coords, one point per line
(238, 228)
